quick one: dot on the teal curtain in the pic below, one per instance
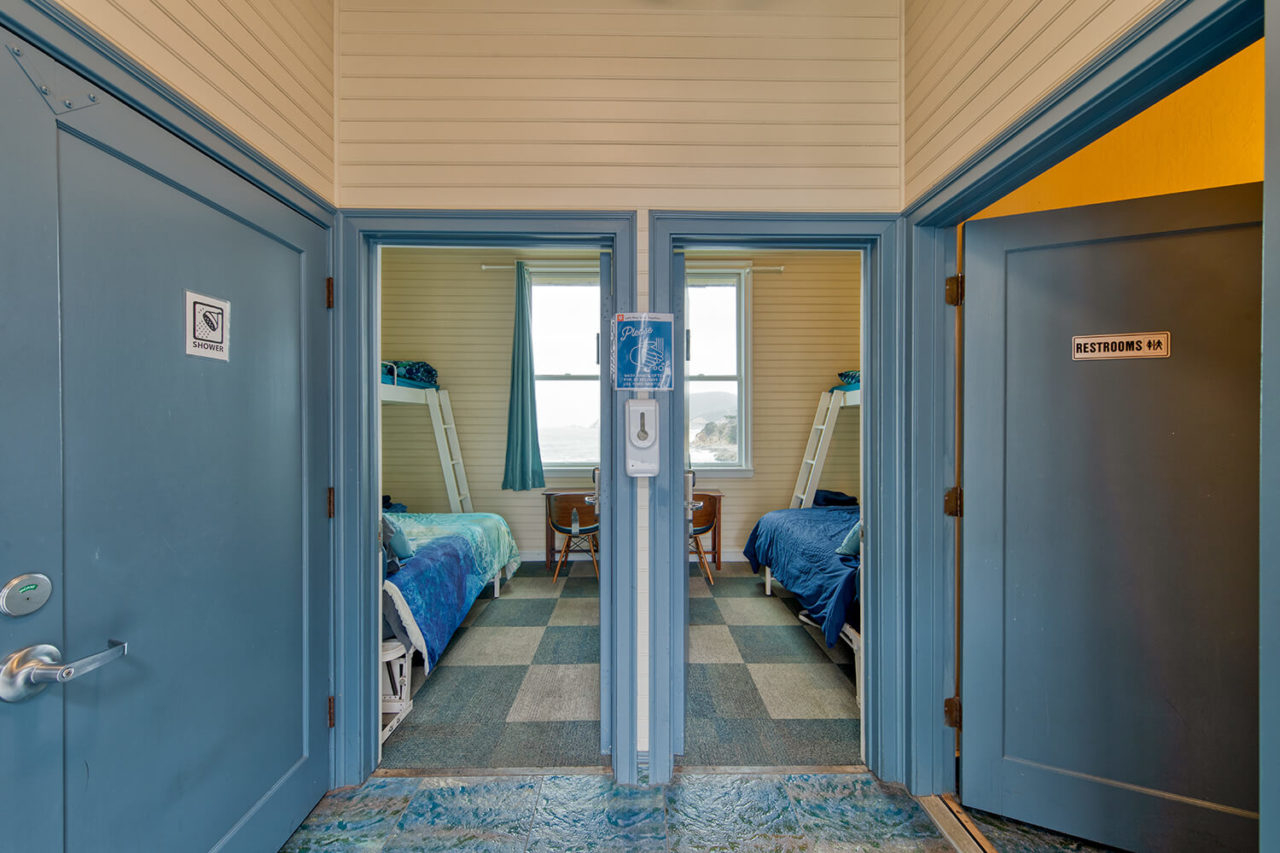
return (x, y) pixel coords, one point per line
(524, 456)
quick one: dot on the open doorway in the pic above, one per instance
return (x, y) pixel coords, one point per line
(490, 436)
(774, 443)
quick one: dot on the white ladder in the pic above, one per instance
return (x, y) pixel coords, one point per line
(455, 475)
(815, 452)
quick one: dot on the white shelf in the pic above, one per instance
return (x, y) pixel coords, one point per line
(401, 394)
(851, 398)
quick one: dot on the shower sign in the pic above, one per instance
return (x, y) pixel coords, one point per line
(208, 326)
(1123, 345)
(642, 347)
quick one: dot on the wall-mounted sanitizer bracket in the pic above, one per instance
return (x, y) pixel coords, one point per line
(642, 438)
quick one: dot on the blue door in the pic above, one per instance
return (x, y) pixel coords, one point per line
(1110, 574)
(176, 503)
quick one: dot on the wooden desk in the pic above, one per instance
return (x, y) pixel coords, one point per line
(704, 493)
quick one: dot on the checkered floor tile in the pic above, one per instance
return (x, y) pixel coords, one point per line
(763, 689)
(518, 685)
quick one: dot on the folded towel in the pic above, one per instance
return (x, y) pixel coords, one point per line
(850, 377)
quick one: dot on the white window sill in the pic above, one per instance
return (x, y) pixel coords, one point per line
(723, 473)
(567, 473)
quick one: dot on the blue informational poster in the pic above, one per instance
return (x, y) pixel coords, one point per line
(642, 352)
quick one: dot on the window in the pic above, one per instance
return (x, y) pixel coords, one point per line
(717, 314)
(566, 320)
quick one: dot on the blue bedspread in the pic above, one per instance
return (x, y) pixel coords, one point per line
(455, 556)
(799, 546)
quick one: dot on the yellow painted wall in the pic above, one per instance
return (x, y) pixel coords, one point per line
(1207, 134)
(263, 68)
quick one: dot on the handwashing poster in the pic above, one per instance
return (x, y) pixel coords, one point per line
(642, 352)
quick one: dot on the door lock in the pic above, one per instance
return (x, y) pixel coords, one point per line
(26, 673)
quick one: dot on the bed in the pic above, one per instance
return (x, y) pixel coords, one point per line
(454, 556)
(798, 547)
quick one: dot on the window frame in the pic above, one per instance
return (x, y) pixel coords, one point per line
(741, 271)
(567, 274)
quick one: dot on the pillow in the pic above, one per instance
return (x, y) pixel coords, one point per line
(393, 537)
(852, 544)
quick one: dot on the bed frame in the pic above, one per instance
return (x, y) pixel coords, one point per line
(852, 638)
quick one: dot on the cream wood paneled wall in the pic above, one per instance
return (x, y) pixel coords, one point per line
(439, 306)
(608, 104)
(805, 329)
(263, 68)
(974, 66)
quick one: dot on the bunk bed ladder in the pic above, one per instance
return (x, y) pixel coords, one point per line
(815, 452)
(455, 475)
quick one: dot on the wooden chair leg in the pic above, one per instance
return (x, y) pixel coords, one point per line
(702, 560)
(564, 553)
(591, 543)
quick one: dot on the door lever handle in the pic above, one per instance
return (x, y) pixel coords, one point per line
(28, 672)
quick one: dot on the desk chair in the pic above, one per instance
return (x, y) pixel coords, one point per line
(704, 521)
(574, 519)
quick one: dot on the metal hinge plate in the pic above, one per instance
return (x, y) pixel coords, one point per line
(62, 89)
(955, 289)
(328, 292)
(951, 712)
(331, 508)
(953, 502)
(330, 712)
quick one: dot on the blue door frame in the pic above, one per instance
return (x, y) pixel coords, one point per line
(888, 507)
(357, 594)
(1178, 42)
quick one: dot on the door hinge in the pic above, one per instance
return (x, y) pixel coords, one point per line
(953, 502)
(328, 292)
(951, 712)
(955, 289)
(330, 712)
(331, 502)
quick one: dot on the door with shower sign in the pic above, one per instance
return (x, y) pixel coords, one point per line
(1110, 556)
(164, 355)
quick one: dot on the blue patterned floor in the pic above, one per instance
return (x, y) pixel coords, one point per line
(806, 812)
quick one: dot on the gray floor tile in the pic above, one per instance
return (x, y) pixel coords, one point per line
(712, 644)
(558, 692)
(576, 611)
(516, 612)
(741, 587)
(581, 587)
(490, 646)
(564, 743)
(533, 586)
(722, 691)
(569, 644)
(467, 694)
(776, 644)
(698, 588)
(703, 611)
(798, 743)
(766, 610)
(440, 746)
(804, 690)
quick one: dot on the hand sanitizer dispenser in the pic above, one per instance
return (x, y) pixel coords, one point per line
(642, 438)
